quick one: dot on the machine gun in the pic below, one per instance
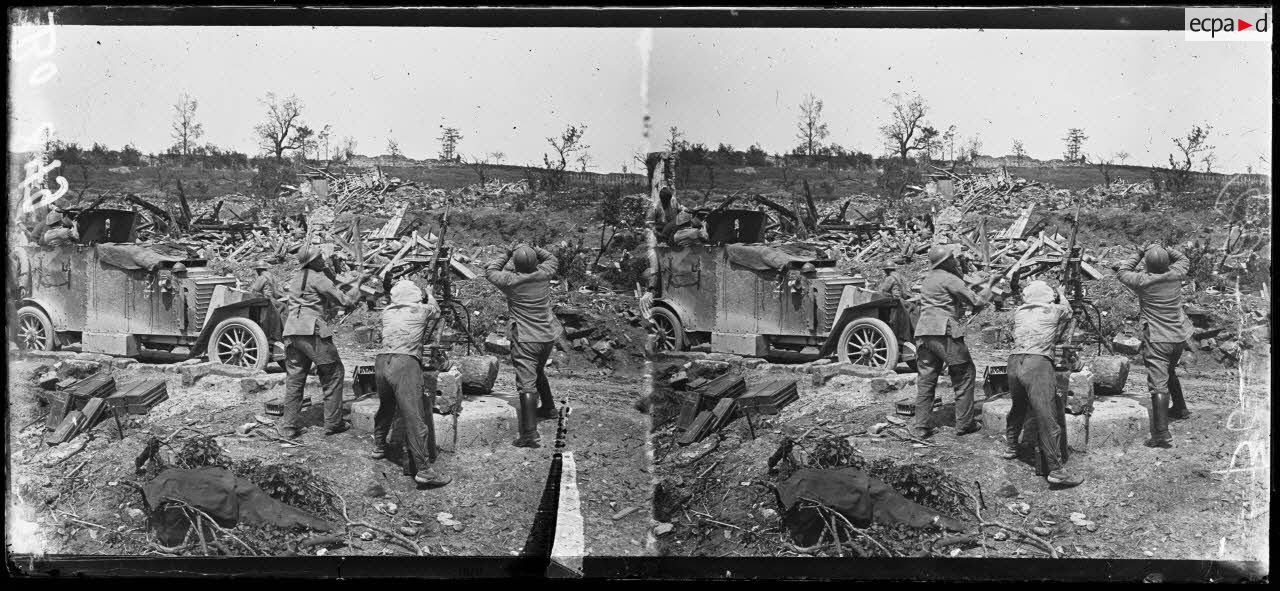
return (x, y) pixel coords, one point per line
(1067, 357)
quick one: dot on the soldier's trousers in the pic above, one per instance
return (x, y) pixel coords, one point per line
(932, 353)
(401, 381)
(1161, 360)
(1033, 387)
(301, 352)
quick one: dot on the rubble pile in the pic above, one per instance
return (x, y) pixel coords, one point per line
(997, 193)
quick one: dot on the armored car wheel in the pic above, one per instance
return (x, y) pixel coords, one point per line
(668, 329)
(35, 330)
(241, 342)
(869, 342)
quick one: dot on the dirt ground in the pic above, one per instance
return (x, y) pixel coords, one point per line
(1206, 498)
(80, 506)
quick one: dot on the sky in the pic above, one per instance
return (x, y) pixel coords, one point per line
(1129, 91)
(508, 89)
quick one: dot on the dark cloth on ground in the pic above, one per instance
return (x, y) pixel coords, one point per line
(861, 499)
(762, 258)
(225, 497)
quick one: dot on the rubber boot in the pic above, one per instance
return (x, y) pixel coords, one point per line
(1159, 417)
(528, 421)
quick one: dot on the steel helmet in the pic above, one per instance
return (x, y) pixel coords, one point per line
(178, 268)
(684, 218)
(526, 259)
(939, 254)
(261, 266)
(1157, 260)
(307, 254)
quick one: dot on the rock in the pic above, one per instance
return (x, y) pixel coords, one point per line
(478, 373)
(768, 514)
(1110, 372)
(367, 536)
(123, 362)
(1231, 348)
(135, 516)
(1000, 536)
(1091, 526)
(1126, 345)
(1007, 491)
(246, 428)
(707, 368)
(497, 345)
(375, 491)
(581, 344)
(446, 519)
(752, 362)
(878, 427)
(1040, 531)
(1208, 344)
(893, 383)
(1019, 508)
(602, 349)
(663, 529)
(77, 368)
(697, 451)
(409, 531)
(392, 508)
(258, 383)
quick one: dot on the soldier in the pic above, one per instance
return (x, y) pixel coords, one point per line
(400, 377)
(532, 331)
(1155, 274)
(940, 340)
(893, 284)
(309, 340)
(263, 284)
(1032, 382)
(689, 230)
(663, 212)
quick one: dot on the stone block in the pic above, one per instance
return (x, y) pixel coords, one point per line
(1116, 422)
(893, 383)
(497, 345)
(484, 421)
(1126, 345)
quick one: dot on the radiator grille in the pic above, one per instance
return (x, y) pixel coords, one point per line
(831, 297)
(204, 292)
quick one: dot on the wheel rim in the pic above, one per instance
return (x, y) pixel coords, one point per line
(866, 346)
(666, 332)
(31, 333)
(237, 346)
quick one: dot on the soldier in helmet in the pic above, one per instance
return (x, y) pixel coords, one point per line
(309, 341)
(264, 284)
(1155, 274)
(532, 331)
(940, 340)
(893, 284)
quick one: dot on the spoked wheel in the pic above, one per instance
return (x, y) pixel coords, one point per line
(869, 342)
(35, 331)
(240, 342)
(669, 331)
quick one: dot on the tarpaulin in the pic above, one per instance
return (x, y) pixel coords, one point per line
(762, 258)
(130, 256)
(863, 500)
(228, 499)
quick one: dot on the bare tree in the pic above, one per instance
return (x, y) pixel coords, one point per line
(903, 132)
(1075, 142)
(949, 139)
(1208, 162)
(497, 157)
(306, 142)
(481, 168)
(279, 131)
(568, 148)
(185, 128)
(676, 141)
(972, 147)
(584, 159)
(1121, 156)
(393, 148)
(347, 149)
(1192, 146)
(449, 138)
(1104, 166)
(810, 129)
(1019, 152)
(323, 137)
